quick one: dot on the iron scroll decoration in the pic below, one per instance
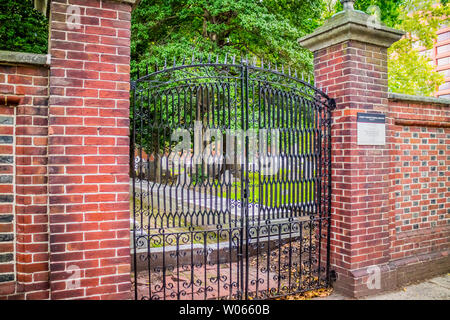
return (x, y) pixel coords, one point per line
(202, 230)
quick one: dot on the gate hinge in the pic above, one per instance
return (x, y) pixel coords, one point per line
(132, 85)
(332, 104)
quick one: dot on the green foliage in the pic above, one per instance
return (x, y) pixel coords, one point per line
(410, 72)
(389, 9)
(267, 29)
(22, 28)
(268, 191)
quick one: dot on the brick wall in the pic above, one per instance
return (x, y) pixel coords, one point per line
(89, 151)
(389, 202)
(23, 201)
(420, 223)
(64, 152)
(7, 252)
(355, 74)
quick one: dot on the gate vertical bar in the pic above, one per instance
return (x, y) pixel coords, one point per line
(331, 106)
(241, 227)
(323, 216)
(243, 219)
(133, 176)
(276, 203)
(246, 191)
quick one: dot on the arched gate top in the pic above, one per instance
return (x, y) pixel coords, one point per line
(202, 72)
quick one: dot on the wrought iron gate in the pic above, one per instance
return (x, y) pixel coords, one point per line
(230, 177)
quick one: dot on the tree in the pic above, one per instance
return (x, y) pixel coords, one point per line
(269, 29)
(410, 72)
(166, 30)
(22, 28)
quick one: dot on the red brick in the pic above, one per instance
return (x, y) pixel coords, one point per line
(76, 136)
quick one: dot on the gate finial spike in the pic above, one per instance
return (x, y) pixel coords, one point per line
(184, 59)
(174, 62)
(193, 58)
(262, 63)
(146, 69)
(209, 58)
(234, 59)
(226, 56)
(165, 63)
(217, 59)
(138, 73)
(289, 71)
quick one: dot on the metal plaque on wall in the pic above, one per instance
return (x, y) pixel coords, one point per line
(371, 129)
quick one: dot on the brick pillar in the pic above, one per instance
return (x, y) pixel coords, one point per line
(350, 60)
(88, 150)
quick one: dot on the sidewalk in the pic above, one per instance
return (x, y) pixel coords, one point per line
(437, 288)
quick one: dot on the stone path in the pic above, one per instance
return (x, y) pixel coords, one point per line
(437, 288)
(181, 200)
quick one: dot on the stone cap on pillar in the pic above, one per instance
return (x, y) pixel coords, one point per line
(350, 24)
(43, 5)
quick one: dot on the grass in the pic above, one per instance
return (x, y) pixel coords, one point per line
(270, 191)
(273, 191)
(143, 217)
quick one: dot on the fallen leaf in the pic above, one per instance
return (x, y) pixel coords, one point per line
(308, 295)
